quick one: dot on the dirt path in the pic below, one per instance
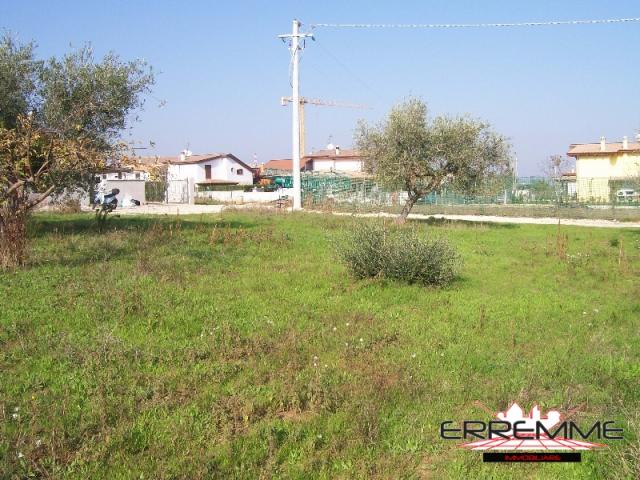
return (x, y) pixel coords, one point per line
(495, 219)
(184, 209)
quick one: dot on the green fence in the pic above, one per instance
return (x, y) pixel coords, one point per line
(509, 191)
(155, 191)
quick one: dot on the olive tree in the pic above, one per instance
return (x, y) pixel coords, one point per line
(411, 152)
(60, 121)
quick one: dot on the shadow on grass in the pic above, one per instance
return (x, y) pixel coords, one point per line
(42, 225)
(77, 240)
(443, 222)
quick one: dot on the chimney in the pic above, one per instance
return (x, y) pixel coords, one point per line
(625, 143)
(603, 144)
(337, 150)
(184, 155)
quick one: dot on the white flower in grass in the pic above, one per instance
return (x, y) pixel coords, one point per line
(413, 355)
(596, 310)
(14, 416)
(361, 339)
(20, 455)
(347, 324)
(38, 442)
(335, 328)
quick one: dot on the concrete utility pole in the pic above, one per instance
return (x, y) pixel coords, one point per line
(314, 101)
(294, 45)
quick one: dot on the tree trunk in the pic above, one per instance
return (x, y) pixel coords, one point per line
(411, 201)
(13, 238)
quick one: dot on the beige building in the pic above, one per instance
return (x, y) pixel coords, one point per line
(604, 169)
(334, 159)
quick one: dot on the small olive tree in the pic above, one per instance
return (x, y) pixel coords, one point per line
(414, 153)
(60, 120)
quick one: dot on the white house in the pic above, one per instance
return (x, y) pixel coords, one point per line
(210, 168)
(334, 159)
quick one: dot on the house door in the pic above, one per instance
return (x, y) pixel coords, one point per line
(207, 172)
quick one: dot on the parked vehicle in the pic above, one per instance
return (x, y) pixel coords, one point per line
(105, 203)
(626, 195)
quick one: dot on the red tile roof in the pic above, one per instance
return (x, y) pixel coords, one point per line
(283, 164)
(345, 154)
(152, 160)
(207, 156)
(197, 158)
(594, 149)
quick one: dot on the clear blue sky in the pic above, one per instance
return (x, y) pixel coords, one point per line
(223, 70)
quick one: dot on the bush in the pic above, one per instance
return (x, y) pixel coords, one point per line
(68, 205)
(373, 249)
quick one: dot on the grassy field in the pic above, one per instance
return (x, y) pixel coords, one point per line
(235, 346)
(623, 213)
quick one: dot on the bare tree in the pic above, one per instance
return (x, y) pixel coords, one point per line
(554, 169)
(411, 152)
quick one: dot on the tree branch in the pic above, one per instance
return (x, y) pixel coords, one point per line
(47, 192)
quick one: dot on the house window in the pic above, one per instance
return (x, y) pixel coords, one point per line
(137, 176)
(104, 176)
(232, 169)
(239, 172)
(119, 175)
(207, 172)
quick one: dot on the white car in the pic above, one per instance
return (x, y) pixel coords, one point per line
(626, 194)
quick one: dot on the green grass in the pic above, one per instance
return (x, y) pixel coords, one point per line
(235, 346)
(620, 212)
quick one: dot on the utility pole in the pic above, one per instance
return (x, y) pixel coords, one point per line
(294, 45)
(318, 102)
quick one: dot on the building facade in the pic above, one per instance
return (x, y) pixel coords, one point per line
(334, 159)
(604, 169)
(211, 168)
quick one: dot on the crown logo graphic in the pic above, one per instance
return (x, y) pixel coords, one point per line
(532, 433)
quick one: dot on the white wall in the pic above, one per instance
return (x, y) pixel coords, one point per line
(238, 196)
(221, 169)
(129, 189)
(184, 171)
(328, 165)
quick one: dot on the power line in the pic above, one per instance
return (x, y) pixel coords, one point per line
(477, 25)
(345, 68)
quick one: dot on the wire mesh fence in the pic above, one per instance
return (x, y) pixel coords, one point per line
(508, 191)
(598, 198)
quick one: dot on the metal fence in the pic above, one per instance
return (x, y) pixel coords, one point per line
(508, 191)
(156, 191)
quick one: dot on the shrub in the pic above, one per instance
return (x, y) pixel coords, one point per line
(373, 249)
(68, 205)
